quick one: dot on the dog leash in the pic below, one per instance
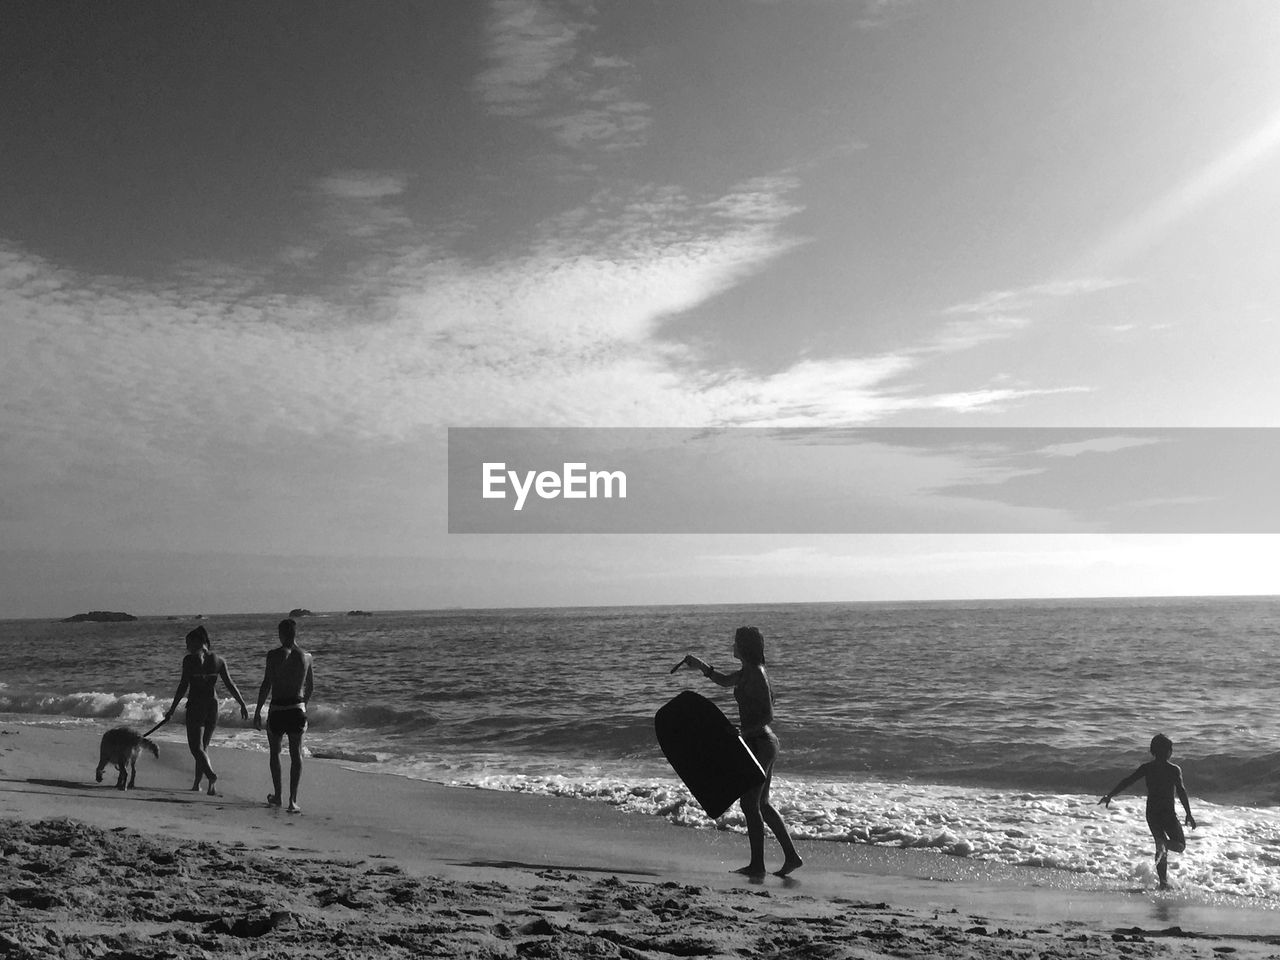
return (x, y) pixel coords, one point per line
(156, 727)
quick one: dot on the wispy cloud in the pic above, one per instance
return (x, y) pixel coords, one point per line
(1022, 298)
(875, 14)
(361, 185)
(1109, 444)
(1003, 314)
(969, 332)
(362, 205)
(529, 44)
(540, 70)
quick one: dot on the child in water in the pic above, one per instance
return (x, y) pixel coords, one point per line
(1164, 779)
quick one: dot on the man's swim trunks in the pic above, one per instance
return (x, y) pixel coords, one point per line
(287, 717)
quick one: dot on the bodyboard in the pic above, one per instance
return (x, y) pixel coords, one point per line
(707, 753)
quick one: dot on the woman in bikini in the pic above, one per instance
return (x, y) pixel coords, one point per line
(201, 668)
(755, 713)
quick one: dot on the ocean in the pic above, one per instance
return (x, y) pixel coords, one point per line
(984, 730)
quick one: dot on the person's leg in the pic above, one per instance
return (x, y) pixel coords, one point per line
(1175, 839)
(195, 746)
(1162, 867)
(1162, 864)
(295, 768)
(273, 744)
(750, 803)
(195, 743)
(1167, 834)
(766, 751)
(210, 723)
(771, 817)
(753, 802)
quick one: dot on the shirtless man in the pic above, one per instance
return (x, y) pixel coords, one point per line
(288, 681)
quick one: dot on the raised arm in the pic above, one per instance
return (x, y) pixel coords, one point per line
(710, 672)
(226, 678)
(183, 684)
(1126, 782)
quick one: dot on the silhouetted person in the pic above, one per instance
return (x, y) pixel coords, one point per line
(201, 668)
(755, 713)
(1164, 780)
(288, 681)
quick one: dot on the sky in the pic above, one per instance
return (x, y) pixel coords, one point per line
(256, 261)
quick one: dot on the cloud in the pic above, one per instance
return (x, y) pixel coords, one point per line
(412, 339)
(1022, 298)
(573, 328)
(135, 412)
(540, 72)
(361, 185)
(1003, 314)
(1097, 445)
(843, 391)
(102, 370)
(970, 332)
(357, 205)
(875, 14)
(528, 44)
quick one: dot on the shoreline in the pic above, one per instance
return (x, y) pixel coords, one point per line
(457, 835)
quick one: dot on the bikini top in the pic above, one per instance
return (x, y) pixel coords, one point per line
(203, 681)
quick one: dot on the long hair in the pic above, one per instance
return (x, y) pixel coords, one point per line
(750, 645)
(199, 635)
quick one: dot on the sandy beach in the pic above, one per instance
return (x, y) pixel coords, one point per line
(381, 866)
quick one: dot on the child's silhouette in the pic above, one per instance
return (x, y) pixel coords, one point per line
(1164, 779)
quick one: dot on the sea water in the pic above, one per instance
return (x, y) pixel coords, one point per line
(984, 730)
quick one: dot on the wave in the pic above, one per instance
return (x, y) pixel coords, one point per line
(1027, 764)
(148, 709)
(368, 716)
(348, 756)
(133, 707)
(1231, 855)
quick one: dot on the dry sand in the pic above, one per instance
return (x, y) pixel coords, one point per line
(380, 866)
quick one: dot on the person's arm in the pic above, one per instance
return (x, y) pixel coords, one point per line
(1127, 781)
(231, 685)
(1190, 821)
(182, 687)
(711, 673)
(307, 684)
(262, 695)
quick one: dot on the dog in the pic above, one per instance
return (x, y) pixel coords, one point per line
(121, 746)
